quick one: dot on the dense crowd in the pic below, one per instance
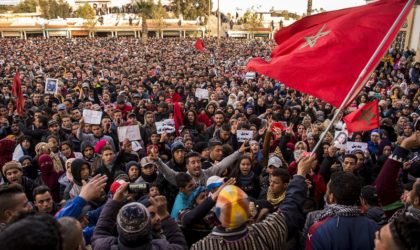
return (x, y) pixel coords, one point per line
(70, 184)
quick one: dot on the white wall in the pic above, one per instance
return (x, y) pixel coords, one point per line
(415, 35)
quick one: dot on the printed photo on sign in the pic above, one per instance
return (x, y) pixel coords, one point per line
(352, 147)
(165, 126)
(202, 93)
(92, 116)
(132, 133)
(244, 135)
(51, 86)
(340, 139)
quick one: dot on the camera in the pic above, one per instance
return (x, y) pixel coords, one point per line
(137, 188)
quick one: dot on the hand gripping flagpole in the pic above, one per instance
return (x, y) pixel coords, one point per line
(357, 86)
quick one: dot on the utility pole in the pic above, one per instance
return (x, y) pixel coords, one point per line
(218, 19)
(309, 10)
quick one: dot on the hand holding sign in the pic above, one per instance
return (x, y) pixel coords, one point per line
(166, 126)
(202, 93)
(244, 135)
(92, 117)
(131, 133)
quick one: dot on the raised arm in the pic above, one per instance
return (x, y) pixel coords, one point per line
(296, 191)
(167, 172)
(386, 183)
(80, 135)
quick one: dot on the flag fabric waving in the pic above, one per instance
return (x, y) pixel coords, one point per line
(17, 92)
(199, 44)
(324, 54)
(364, 118)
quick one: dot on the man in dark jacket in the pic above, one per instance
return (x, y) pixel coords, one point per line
(13, 173)
(341, 225)
(177, 163)
(111, 164)
(133, 225)
(370, 203)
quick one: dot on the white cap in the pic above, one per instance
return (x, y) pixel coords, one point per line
(214, 182)
(275, 161)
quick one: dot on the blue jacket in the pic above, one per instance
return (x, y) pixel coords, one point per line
(343, 233)
(74, 208)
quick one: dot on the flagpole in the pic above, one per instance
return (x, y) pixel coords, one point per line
(363, 73)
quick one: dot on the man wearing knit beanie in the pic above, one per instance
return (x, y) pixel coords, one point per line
(12, 172)
(133, 223)
(232, 210)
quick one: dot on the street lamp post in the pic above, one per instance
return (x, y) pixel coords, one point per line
(218, 19)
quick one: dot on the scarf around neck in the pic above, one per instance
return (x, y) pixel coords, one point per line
(275, 200)
(338, 210)
(246, 180)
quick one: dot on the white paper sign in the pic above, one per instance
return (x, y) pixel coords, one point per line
(165, 126)
(92, 116)
(136, 146)
(340, 139)
(244, 135)
(132, 133)
(356, 146)
(51, 86)
(202, 93)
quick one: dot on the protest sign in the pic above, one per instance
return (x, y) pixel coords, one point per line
(92, 116)
(51, 86)
(202, 93)
(244, 135)
(132, 133)
(165, 126)
(340, 139)
(351, 146)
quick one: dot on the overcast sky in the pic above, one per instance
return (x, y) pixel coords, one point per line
(298, 6)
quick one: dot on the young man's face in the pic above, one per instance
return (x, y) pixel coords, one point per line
(66, 122)
(84, 172)
(155, 219)
(277, 186)
(133, 173)
(14, 176)
(194, 166)
(108, 157)
(22, 206)
(349, 164)
(88, 152)
(44, 202)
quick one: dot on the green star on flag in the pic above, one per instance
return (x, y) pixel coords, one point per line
(363, 119)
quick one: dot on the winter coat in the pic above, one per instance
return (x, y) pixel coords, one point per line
(201, 180)
(268, 234)
(103, 237)
(340, 232)
(387, 185)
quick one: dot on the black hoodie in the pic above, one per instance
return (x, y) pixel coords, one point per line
(76, 166)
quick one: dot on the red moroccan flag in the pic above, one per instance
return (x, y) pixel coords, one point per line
(179, 121)
(199, 44)
(364, 118)
(324, 54)
(17, 92)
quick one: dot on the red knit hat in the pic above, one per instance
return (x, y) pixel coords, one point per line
(99, 145)
(115, 185)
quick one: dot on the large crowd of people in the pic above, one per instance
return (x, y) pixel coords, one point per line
(184, 177)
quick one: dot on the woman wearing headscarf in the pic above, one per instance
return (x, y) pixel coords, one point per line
(30, 170)
(49, 175)
(24, 147)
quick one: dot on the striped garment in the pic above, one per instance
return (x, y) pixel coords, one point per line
(270, 233)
